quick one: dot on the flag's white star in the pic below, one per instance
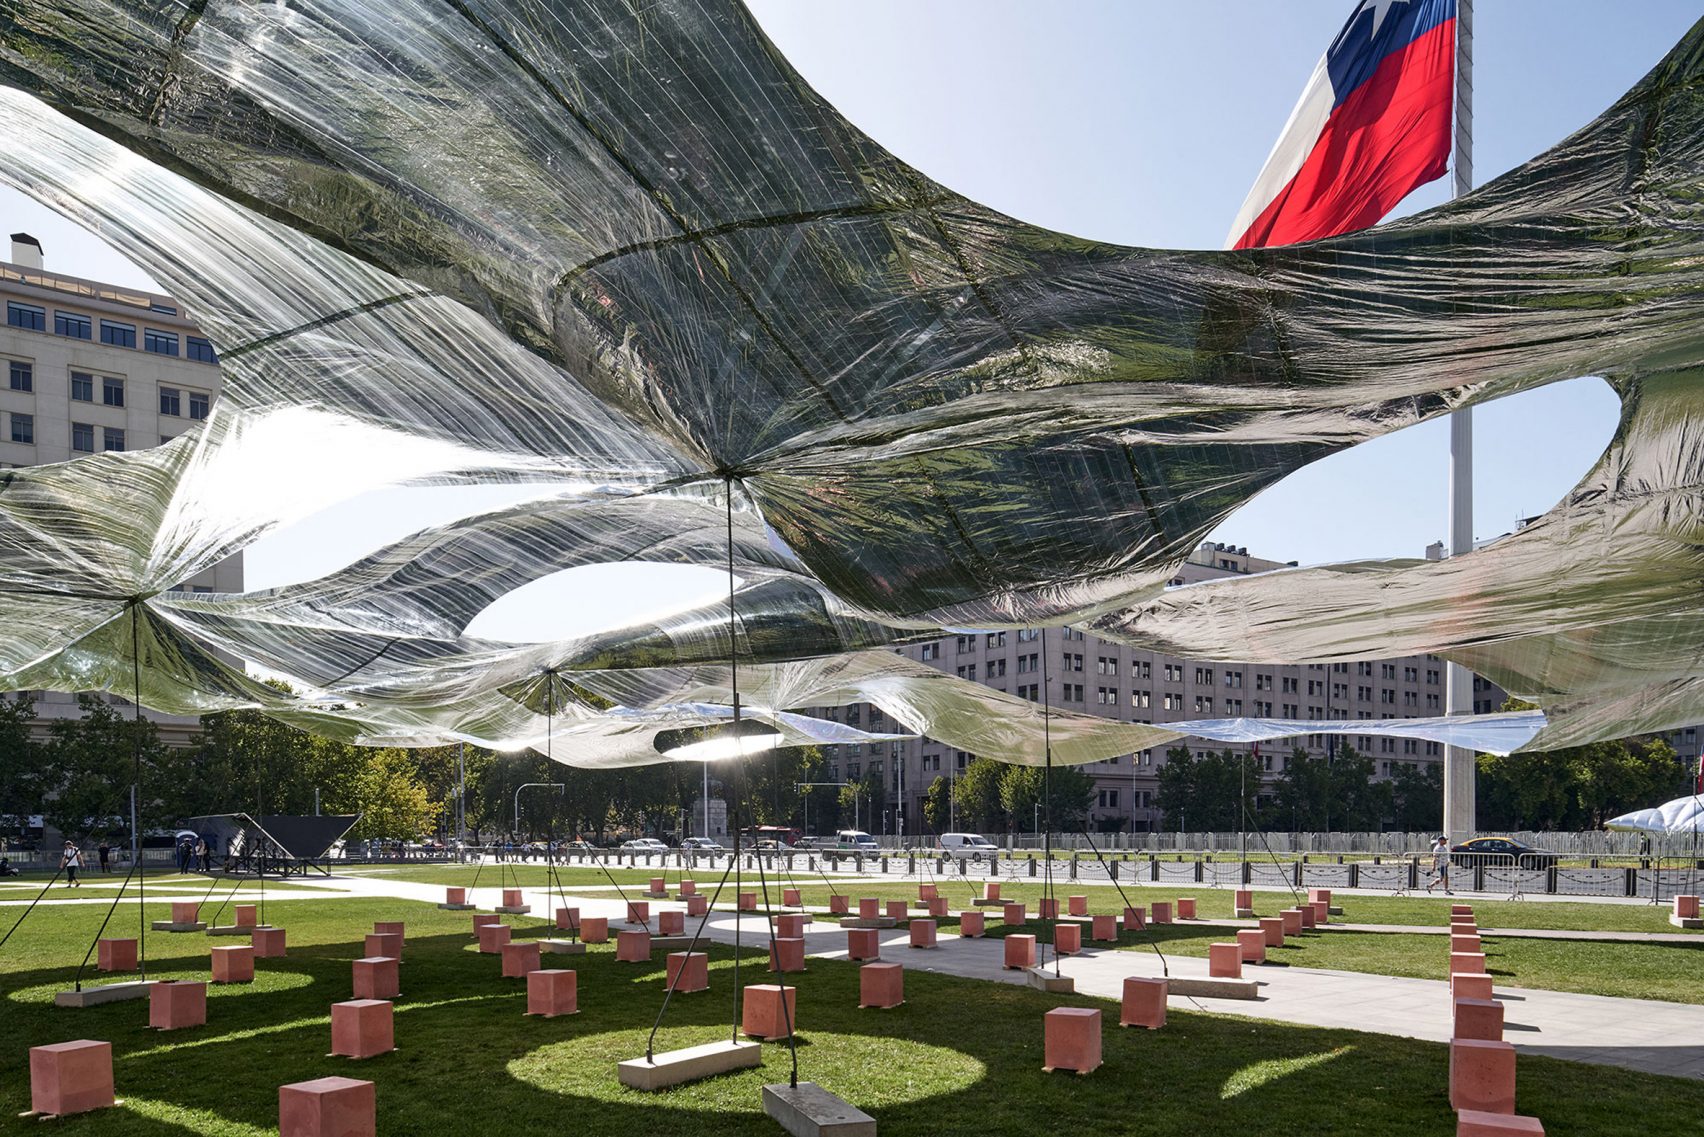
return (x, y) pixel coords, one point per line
(1379, 9)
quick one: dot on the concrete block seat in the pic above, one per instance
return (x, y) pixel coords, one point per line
(362, 1028)
(328, 1107)
(70, 1077)
(1072, 1039)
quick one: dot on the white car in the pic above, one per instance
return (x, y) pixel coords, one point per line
(700, 845)
(644, 845)
(972, 845)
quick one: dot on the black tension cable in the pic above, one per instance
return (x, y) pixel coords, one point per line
(1047, 802)
(136, 821)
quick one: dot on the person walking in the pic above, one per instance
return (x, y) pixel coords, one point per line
(203, 854)
(104, 850)
(71, 860)
(1440, 865)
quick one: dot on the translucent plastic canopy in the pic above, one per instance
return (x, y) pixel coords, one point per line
(628, 252)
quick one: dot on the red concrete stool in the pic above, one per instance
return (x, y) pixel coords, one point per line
(688, 888)
(671, 923)
(1482, 1075)
(1307, 914)
(927, 891)
(1067, 938)
(1465, 943)
(787, 954)
(659, 887)
(234, 964)
(1020, 951)
(790, 898)
(1685, 908)
(455, 896)
(1077, 905)
(1252, 941)
(327, 1107)
(492, 937)
(568, 919)
(1224, 961)
(768, 1011)
(1477, 1123)
(518, 959)
(1272, 927)
(936, 906)
(1072, 1039)
(1471, 962)
(697, 904)
(1104, 926)
(1047, 909)
(1161, 911)
(991, 890)
(688, 970)
(971, 925)
(70, 1077)
(897, 909)
(1134, 919)
(1291, 918)
(512, 898)
(246, 916)
(186, 912)
(1461, 909)
(1186, 908)
(594, 929)
(881, 985)
(1464, 985)
(1479, 1018)
(1243, 901)
(1013, 913)
(177, 1003)
(362, 1028)
(268, 943)
(633, 946)
(485, 920)
(116, 955)
(385, 944)
(1144, 1003)
(376, 978)
(638, 912)
(390, 928)
(1319, 896)
(923, 933)
(861, 943)
(1321, 912)
(551, 993)
(837, 904)
(748, 902)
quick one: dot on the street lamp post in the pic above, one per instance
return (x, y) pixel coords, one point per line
(524, 785)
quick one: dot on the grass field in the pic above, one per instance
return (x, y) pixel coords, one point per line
(960, 1057)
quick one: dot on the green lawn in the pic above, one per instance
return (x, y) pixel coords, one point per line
(960, 1057)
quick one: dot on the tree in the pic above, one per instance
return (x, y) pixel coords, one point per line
(389, 796)
(1023, 788)
(937, 811)
(1417, 797)
(976, 793)
(89, 766)
(21, 770)
(1212, 793)
(1335, 792)
(1577, 787)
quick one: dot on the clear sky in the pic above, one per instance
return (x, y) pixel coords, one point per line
(1143, 124)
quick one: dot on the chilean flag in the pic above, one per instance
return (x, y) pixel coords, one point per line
(1373, 123)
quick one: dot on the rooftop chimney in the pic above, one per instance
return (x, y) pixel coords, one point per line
(26, 251)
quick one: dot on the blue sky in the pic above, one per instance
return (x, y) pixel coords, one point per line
(1143, 124)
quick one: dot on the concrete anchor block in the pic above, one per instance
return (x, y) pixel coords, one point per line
(808, 1110)
(674, 1067)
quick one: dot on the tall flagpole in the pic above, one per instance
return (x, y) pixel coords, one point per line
(1460, 809)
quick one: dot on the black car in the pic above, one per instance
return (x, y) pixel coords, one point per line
(1501, 851)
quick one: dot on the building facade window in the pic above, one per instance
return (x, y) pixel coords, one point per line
(112, 392)
(23, 427)
(82, 387)
(198, 401)
(170, 401)
(117, 334)
(1141, 698)
(929, 652)
(72, 325)
(112, 438)
(160, 343)
(29, 317)
(83, 438)
(995, 639)
(21, 375)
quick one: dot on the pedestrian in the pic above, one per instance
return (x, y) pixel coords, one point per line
(71, 861)
(105, 851)
(1440, 865)
(204, 854)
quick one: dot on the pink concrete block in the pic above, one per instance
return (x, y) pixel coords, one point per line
(1479, 1018)
(376, 978)
(1243, 901)
(1144, 1003)
(551, 993)
(897, 909)
(176, 1003)
(1482, 1075)
(837, 904)
(1160, 911)
(391, 928)
(1135, 919)
(688, 970)
(659, 885)
(1077, 905)
(518, 959)
(455, 896)
(328, 1107)
(1104, 926)
(688, 888)
(790, 898)
(1252, 941)
(594, 929)
(1321, 912)
(1224, 961)
(484, 920)
(697, 904)
(638, 912)
(185, 912)
(790, 925)
(512, 898)
(269, 943)
(1020, 951)
(1477, 1123)
(492, 937)
(1272, 927)
(1068, 938)
(1686, 907)
(1047, 908)
(1307, 914)
(927, 891)
(385, 944)
(971, 925)
(861, 943)
(768, 1011)
(70, 1077)
(1013, 913)
(233, 964)
(1292, 921)
(923, 933)
(1461, 909)
(116, 955)
(936, 906)
(671, 923)
(1319, 896)
(633, 946)
(1467, 986)
(246, 916)
(881, 985)
(1186, 908)
(991, 890)
(1472, 962)
(362, 1028)
(1072, 1039)
(568, 919)
(748, 902)
(1465, 943)
(787, 954)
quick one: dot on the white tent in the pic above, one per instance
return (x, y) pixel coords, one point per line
(1682, 815)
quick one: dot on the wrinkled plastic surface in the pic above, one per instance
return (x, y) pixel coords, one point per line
(1682, 815)
(628, 252)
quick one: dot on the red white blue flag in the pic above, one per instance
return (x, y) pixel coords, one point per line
(1373, 123)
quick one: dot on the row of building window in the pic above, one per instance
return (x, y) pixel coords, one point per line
(115, 333)
(20, 376)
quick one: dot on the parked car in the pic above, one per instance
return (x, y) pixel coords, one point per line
(972, 845)
(644, 845)
(700, 845)
(769, 846)
(856, 841)
(1501, 851)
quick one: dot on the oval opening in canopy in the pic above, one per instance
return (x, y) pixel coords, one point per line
(593, 598)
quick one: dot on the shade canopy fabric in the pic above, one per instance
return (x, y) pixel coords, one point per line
(1682, 815)
(627, 253)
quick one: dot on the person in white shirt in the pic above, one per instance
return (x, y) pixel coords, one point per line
(71, 862)
(1440, 865)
